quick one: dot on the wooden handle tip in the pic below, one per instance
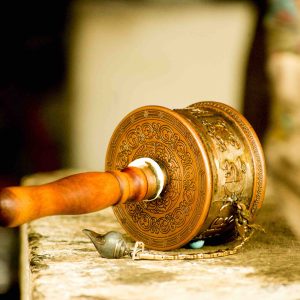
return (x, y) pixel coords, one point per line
(8, 209)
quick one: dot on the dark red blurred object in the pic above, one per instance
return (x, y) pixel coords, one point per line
(32, 60)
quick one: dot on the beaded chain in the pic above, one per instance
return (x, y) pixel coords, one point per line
(244, 229)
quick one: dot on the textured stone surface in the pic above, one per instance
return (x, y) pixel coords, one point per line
(7, 254)
(59, 262)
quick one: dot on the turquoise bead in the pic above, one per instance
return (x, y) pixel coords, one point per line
(196, 244)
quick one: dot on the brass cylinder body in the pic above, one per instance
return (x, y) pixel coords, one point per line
(211, 156)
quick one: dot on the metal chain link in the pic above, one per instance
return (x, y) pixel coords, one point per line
(243, 227)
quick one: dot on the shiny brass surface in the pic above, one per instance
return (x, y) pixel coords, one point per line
(172, 176)
(212, 158)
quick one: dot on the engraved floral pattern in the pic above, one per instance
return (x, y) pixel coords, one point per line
(163, 144)
(221, 134)
(235, 171)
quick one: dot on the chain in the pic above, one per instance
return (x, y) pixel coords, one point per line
(113, 244)
(243, 227)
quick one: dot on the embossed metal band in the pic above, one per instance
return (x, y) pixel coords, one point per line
(236, 159)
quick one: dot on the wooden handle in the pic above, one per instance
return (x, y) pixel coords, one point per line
(77, 194)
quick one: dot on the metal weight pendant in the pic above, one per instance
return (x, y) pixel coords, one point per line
(211, 156)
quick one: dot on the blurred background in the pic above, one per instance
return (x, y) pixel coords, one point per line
(71, 70)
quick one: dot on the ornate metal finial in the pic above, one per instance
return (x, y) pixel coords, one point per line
(109, 245)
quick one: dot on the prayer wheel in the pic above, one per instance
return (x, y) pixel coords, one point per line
(172, 176)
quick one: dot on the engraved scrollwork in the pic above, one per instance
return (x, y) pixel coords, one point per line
(160, 142)
(221, 134)
(124, 154)
(255, 146)
(234, 181)
(234, 174)
(144, 220)
(234, 170)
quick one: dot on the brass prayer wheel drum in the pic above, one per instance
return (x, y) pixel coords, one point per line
(202, 177)
(211, 157)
